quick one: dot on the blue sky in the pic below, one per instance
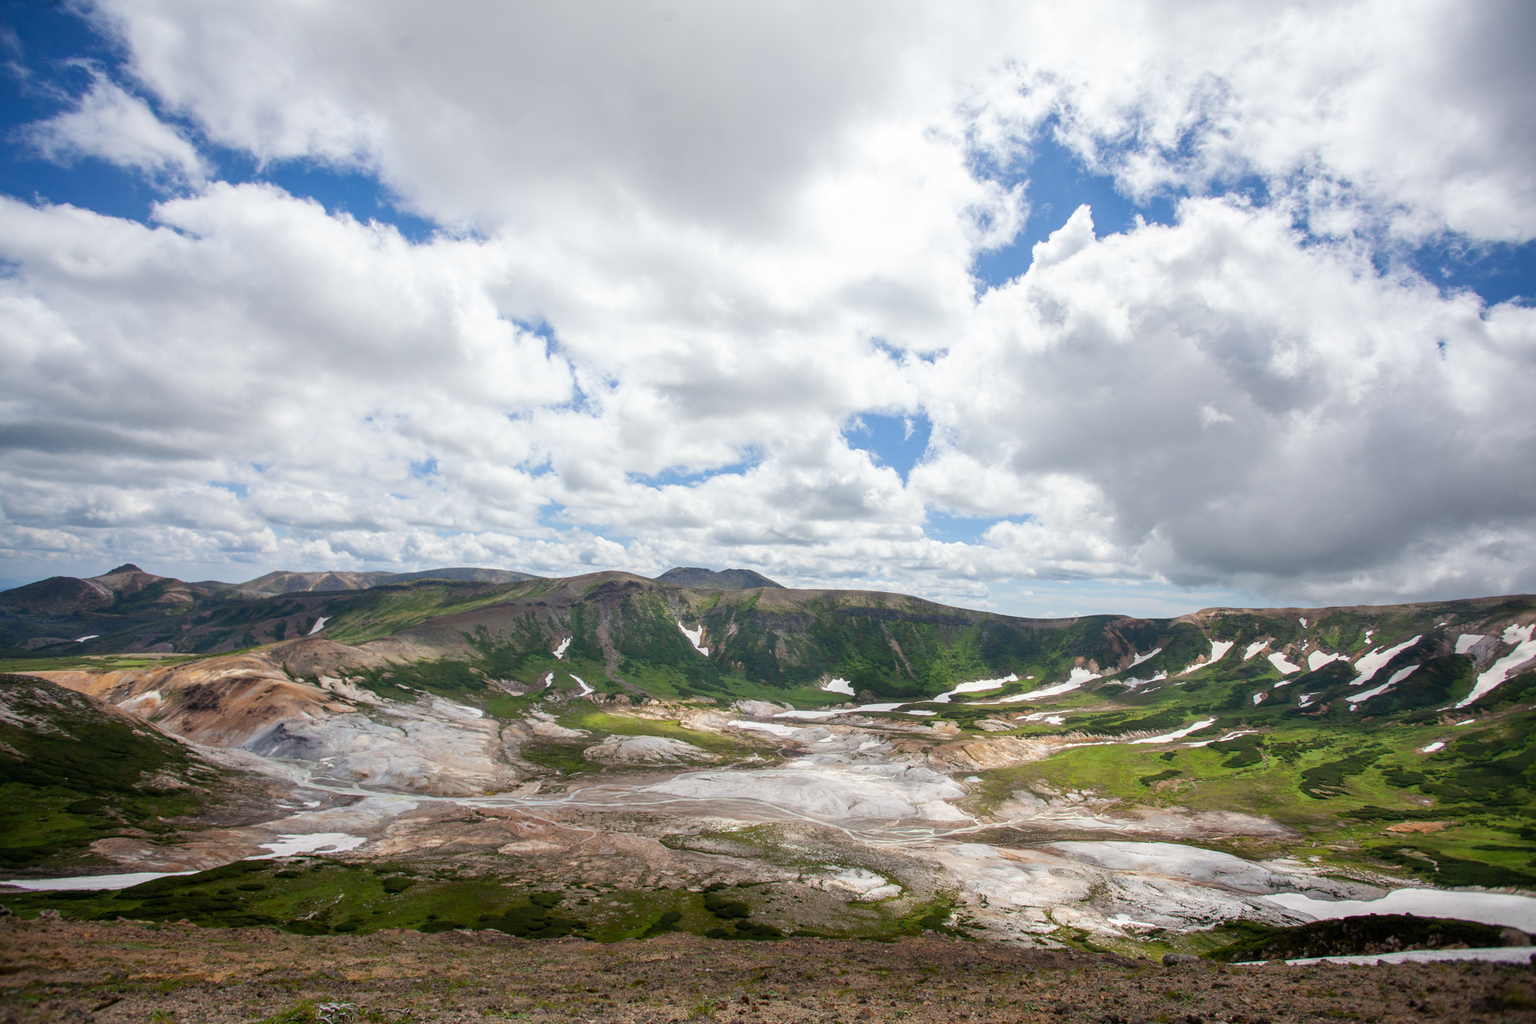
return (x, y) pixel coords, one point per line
(582, 295)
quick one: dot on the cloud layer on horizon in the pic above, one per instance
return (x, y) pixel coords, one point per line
(681, 248)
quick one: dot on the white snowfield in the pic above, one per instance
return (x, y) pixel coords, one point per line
(976, 686)
(1077, 678)
(564, 646)
(1371, 662)
(1467, 641)
(1285, 667)
(1254, 648)
(1502, 909)
(831, 793)
(839, 686)
(694, 636)
(585, 689)
(317, 842)
(1169, 737)
(1154, 652)
(1499, 671)
(91, 881)
(811, 716)
(1317, 659)
(1397, 677)
(319, 625)
(1498, 954)
(772, 728)
(1219, 649)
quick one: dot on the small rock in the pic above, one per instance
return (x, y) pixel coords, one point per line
(1514, 937)
(1170, 959)
(48, 915)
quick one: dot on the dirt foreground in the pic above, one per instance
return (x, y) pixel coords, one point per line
(85, 973)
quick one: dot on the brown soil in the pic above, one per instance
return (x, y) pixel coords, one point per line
(83, 973)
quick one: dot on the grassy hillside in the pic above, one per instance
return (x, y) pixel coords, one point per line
(73, 771)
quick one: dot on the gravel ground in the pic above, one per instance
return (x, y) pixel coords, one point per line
(82, 973)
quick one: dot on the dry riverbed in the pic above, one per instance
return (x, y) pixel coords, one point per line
(89, 973)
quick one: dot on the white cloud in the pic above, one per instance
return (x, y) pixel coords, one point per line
(719, 212)
(1352, 452)
(113, 125)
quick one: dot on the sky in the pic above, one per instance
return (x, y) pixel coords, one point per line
(1045, 308)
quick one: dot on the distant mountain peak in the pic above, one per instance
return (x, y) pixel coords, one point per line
(708, 579)
(125, 567)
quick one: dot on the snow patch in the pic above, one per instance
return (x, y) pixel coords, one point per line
(1397, 677)
(1178, 734)
(88, 636)
(768, 727)
(91, 881)
(1505, 911)
(564, 645)
(319, 625)
(1154, 652)
(1285, 667)
(1254, 648)
(1437, 745)
(811, 716)
(1467, 641)
(1219, 649)
(1367, 665)
(694, 636)
(330, 842)
(976, 686)
(1499, 954)
(1317, 659)
(1498, 672)
(1078, 677)
(1303, 623)
(585, 689)
(839, 686)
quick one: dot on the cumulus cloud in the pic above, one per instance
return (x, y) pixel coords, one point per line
(1233, 405)
(682, 246)
(113, 125)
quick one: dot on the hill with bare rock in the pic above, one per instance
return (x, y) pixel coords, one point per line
(708, 579)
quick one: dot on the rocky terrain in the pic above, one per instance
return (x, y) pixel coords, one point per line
(115, 973)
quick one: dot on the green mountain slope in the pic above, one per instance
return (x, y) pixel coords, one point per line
(74, 770)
